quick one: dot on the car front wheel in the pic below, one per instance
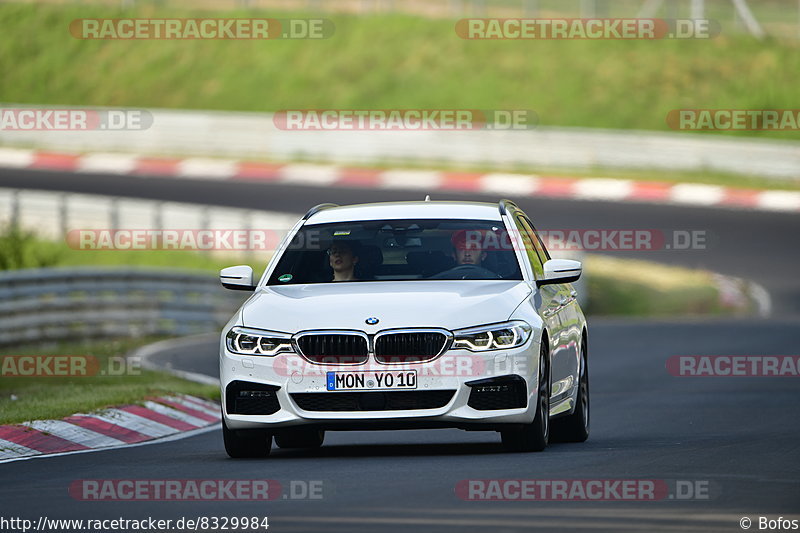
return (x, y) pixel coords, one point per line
(240, 444)
(533, 437)
(575, 427)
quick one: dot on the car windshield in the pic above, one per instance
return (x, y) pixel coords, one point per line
(393, 250)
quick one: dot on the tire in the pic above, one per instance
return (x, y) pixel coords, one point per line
(533, 437)
(240, 444)
(300, 438)
(575, 427)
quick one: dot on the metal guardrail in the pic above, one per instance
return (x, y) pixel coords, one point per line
(52, 215)
(41, 305)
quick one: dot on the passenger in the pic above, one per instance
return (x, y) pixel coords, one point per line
(343, 258)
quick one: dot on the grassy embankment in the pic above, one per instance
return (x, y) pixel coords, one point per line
(398, 61)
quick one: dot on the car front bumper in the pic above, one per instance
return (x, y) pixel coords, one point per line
(460, 371)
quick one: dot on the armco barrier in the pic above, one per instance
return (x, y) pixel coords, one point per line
(54, 304)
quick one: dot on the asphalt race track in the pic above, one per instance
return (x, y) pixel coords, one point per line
(733, 440)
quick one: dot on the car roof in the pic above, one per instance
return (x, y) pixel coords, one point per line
(406, 211)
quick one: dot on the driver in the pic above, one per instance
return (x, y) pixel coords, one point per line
(343, 257)
(468, 247)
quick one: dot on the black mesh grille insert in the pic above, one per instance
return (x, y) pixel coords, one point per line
(243, 398)
(409, 347)
(373, 401)
(334, 348)
(503, 393)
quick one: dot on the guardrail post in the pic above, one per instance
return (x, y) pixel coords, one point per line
(205, 221)
(247, 225)
(158, 216)
(588, 9)
(114, 213)
(698, 9)
(63, 213)
(14, 222)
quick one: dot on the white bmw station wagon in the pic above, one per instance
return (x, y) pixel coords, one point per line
(406, 315)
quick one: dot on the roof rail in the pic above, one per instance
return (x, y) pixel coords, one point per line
(317, 209)
(505, 205)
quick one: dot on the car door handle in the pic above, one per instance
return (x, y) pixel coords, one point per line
(563, 300)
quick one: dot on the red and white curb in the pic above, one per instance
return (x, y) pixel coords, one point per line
(503, 184)
(158, 418)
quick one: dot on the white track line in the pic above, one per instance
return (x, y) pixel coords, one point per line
(411, 179)
(107, 163)
(196, 406)
(696, 194)
(196, 167)
(779, 200)
(603, 189)
(174, 413)
(73, 433)
(10, 450)
(509, 184)
(137, 423)
(304, 174)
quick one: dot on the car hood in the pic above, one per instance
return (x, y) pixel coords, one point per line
(447, 304)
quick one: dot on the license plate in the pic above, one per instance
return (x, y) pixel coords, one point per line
(368, 380)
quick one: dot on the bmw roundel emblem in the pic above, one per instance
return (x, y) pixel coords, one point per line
(372, 320)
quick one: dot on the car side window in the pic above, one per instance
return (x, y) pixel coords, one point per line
(544, 255)
(528, 238)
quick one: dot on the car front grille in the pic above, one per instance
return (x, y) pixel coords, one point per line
(409, 346)
(334, 348)
(372, 401)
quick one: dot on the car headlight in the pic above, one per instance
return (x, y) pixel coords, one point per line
(258, 342)
(492, 337)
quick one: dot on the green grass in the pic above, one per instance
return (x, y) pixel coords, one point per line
(643, 288)
(37, 398)
(20, 249)
(391, 61)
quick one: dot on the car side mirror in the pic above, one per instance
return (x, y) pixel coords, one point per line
(560, 271)
(237, 278)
